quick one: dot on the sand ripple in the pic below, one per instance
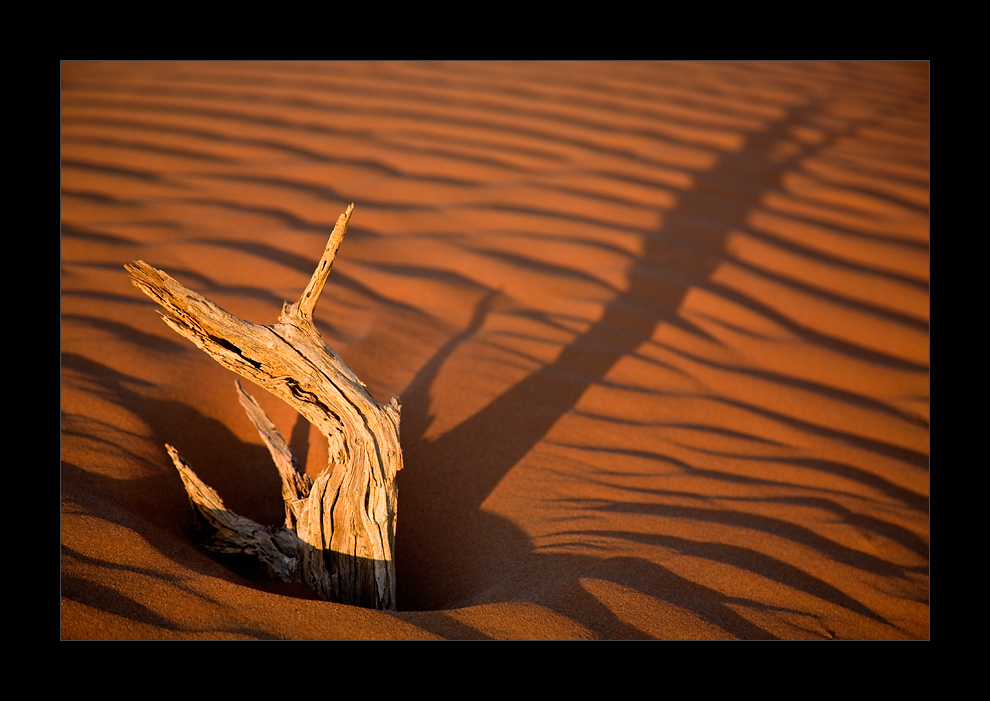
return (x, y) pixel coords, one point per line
(661, 333)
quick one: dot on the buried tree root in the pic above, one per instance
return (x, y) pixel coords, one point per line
(339, 532)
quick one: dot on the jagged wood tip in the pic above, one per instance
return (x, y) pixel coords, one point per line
(311, 295)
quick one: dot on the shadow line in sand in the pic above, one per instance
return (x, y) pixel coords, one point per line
(444, 535)
(451, 552)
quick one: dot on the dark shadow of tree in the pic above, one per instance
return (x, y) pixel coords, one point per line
(446, 543)
(445, 540)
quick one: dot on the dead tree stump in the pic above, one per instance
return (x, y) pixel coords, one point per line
(339, 532)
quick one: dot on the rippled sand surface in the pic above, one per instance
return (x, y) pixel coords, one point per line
(660, 331)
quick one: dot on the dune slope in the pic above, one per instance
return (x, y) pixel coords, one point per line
(660, 331)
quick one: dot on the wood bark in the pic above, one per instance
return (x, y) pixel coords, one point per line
(339, 532)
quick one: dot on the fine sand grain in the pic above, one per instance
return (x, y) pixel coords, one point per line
(660, 331)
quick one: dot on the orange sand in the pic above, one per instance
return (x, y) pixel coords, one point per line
(660, 331)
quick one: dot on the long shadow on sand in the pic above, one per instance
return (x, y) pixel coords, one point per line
(451, 553)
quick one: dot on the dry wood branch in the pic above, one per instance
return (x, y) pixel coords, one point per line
(339, 532)
(295, 482)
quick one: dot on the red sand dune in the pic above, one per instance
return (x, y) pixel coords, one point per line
(660, 331)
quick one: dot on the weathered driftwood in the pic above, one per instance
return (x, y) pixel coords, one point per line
(339, 532)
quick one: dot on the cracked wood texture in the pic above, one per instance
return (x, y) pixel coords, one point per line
(339, 532)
